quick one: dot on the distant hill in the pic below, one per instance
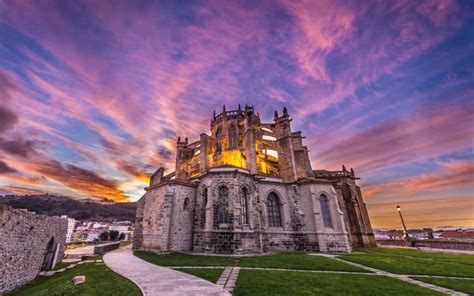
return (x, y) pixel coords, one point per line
(59, 205)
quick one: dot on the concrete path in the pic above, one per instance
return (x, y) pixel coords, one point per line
(156, 280)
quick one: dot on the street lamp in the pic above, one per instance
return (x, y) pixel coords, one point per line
(405, 233)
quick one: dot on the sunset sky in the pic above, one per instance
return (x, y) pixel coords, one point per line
(93, 94)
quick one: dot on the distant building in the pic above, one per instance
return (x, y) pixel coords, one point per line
(249, 187)
(71, 223)
(457, 235)
(92, 236)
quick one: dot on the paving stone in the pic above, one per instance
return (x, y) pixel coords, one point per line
(156, 280)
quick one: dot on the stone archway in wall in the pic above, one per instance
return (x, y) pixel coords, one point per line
(50, 255)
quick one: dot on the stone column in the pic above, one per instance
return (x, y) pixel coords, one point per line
(204, 153)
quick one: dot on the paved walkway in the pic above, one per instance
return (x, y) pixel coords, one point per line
(156, 280)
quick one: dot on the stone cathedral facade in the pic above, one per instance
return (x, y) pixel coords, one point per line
(249, 187)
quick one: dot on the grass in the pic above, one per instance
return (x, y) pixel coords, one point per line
(405, 261)
(99, 281)
(466, 286)
(125, 243)
(62, 265)
(298, 261)
(282, 260)
(457, 258)
(209, 274)
(176, 259)
(257, 282)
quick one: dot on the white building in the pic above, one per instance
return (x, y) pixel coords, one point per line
(71, 223)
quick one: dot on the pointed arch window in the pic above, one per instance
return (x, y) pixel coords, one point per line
(233, 137)
(244, 203)
(223, 216)
(219, 132)
(273, 210)
(325, 211)
(186, 204)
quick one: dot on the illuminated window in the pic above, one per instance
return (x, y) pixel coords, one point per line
(186, 204)
(273, 210)
(218, 148)
(223, 216)
(324, 201)
(269, 138)
(233, 137)
(244, 203)
(271, 152)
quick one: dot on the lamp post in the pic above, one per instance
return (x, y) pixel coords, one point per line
(405, 233)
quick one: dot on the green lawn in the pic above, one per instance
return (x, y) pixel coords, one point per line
(405, 261)
(62, 265)
(176, 259)
(457, 258)
(282, 260)
(466, 286)
(298, 261)
(259, 282)
(99, 281)
(209, 274)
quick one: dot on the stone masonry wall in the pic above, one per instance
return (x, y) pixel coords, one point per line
(25, 239)
(182, 216)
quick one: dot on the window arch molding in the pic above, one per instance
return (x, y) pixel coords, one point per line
(274, 211)
(325, 200)
(331, 196)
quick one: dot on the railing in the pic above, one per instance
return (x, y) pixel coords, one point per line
(334, 174)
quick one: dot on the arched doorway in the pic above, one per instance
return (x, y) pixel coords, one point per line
(49, 255)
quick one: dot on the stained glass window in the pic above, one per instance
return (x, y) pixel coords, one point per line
(323, 199)
(273, 210)
(223, 216)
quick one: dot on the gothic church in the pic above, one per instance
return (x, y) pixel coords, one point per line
(249, 187)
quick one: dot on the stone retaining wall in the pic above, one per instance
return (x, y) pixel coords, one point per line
(29, 243)
(430, 243)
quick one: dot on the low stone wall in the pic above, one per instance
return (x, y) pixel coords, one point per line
(430, 243)
(29, 243)
(101, 249)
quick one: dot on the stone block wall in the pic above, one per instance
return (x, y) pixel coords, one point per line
(182, 217)
(29, 243)
(164, 223)
(185, 217)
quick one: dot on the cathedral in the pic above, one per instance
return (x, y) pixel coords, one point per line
(249, 187)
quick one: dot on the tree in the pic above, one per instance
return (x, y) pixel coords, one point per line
(113, 235)
(104, 236)
(121, 236)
